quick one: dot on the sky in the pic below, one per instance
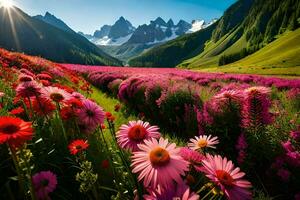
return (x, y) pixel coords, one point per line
(89, 15)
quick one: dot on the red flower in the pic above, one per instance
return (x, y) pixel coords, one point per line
(105, 164)
(68, 112)
(103, 126)
(108, 114)
(78, 146)
(15, 131)
(43, 106)
(74, 103)
(17, 111)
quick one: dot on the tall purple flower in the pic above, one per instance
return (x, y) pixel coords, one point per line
(255, 110)
(91, 114)
(44, 183)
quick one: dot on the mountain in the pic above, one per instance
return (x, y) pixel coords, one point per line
(121, 28)
(244, 28)
(104, 31)
(113, 35)
(22, 33)
(52, 20)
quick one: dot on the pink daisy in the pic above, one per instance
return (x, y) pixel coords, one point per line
(55, 94)
(2, 94)
(129, 136)
(194, 157)
(44, 183)
(203, 141)
(179, 191)
(158, 163)
(28, 89)
(227, 177)
(91, 114)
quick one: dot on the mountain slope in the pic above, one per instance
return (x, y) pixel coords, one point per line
(280, 57)
(54, 21)
(283, 52)
(245, 27)
(20, 32)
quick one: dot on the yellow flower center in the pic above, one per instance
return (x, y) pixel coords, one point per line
(202, 143)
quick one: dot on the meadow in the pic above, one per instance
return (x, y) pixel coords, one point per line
(89, 132)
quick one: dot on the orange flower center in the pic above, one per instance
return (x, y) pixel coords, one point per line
(57, 97)
(202, 143)
(137, 133)
(225, 178)
(159, 156)
(9, 128)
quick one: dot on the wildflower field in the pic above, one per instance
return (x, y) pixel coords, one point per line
(155, 134)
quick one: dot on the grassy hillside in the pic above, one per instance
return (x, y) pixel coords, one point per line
(279, 57)
(22, 33)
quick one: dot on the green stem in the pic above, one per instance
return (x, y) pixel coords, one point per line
(15, 160)
(208, 193)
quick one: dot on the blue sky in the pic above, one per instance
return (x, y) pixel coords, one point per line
(89, 15)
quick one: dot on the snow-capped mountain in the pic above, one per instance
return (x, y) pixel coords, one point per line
(112, 35)
(200, 24)
(157, 31)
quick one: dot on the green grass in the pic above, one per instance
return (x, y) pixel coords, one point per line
(280, 57)
(122, 117)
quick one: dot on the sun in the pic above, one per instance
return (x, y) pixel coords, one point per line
(6, 3)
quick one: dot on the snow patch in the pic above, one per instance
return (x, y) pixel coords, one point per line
(106, 41)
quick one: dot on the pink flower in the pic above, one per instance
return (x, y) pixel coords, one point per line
(158, 163)
(2, 94)
(241, 143)
(194, 157)
(91, 114)
(129, 136)
(44, 183)
(295, 135)
(55, 94)
(227, 177)
(179, 191)
(28, 89)
(203, 141)
(284, 174)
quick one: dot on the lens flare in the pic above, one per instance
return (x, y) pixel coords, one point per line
(6, 3)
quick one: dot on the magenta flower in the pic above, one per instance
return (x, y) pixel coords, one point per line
(44, 183)
(193, 157)
(91, 115)
(284, 174)
(158, 163)
(129, 136)
(255, 110)
(227, 177)
(178, 191)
